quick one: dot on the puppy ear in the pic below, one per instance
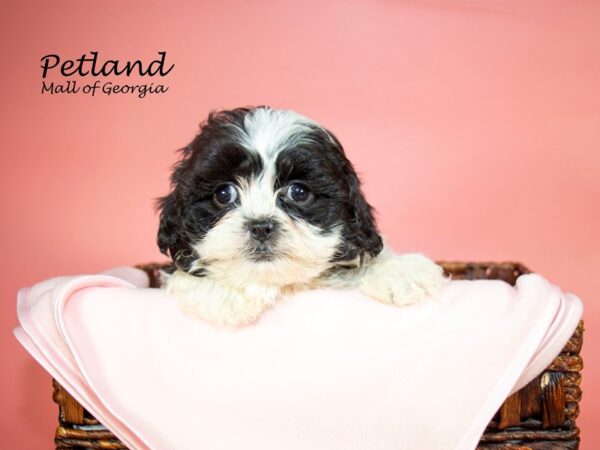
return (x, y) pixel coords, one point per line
(362, 237)
(364, 233)
(167, 230)
(169, 237)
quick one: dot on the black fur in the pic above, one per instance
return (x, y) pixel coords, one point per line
(214, 157)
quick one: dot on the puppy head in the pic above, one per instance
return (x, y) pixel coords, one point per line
(265, 196)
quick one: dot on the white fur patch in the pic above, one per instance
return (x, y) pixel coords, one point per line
(268, 131)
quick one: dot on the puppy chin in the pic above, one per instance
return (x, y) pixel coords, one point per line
(236, 293)
(240, 279)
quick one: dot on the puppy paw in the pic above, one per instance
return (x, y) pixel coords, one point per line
(402, 279)
(213, 302)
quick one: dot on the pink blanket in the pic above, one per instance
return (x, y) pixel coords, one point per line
(322, 370)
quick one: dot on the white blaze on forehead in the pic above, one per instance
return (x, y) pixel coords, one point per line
(268, 131)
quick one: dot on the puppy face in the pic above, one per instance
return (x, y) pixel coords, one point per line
(265, 196)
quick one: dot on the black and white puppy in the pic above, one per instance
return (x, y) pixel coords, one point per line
(265, 203)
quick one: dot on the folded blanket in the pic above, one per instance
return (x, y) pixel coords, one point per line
(325, 369)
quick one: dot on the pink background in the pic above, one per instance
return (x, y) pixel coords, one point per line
(475, 125)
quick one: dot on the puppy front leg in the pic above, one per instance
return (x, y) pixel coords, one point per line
(217, 303)
(401, 279)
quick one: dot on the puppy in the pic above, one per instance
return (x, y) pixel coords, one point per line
(264, 203)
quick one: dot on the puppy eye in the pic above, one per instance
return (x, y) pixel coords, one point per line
(225, 194)
(298, 192)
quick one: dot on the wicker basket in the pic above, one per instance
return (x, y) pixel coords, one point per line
(540, 416)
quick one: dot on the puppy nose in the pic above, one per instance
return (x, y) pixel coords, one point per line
(261, 229)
